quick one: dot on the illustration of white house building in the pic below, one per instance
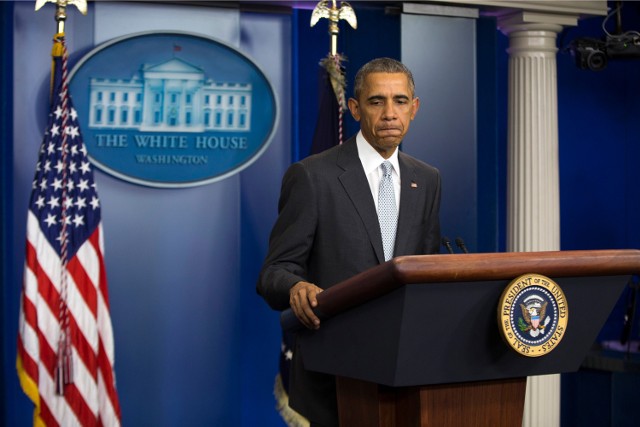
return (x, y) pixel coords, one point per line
(173, 96)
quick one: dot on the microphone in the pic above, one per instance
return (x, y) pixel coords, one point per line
(628, 316)
(461, 245)
(447, 244)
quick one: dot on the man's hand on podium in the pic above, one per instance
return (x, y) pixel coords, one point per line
(302, 299)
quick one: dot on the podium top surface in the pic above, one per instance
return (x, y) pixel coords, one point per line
(384, 278)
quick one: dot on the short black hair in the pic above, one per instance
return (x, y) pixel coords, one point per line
(381, 65)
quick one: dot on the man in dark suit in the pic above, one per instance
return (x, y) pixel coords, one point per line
(328, 226)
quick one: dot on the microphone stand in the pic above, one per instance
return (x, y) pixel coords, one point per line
(629, 317)
(447, 244)
(461, 245)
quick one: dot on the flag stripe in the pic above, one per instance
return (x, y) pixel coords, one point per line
(29, 356)
(83, 350)
(47, 416)
(84, 317)
(56, 404)
(45, 288)
(97, 244)
(109, 406)
(104, 318)
(83, 395)
(27, 364)
(78, 403)
(84, 285)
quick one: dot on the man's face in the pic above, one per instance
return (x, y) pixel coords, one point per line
(384, 109)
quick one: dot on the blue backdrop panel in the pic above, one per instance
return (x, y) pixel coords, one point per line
(444, 131)
(260, 188)
(174, 293)
(178, 276)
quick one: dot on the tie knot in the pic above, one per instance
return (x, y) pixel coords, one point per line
(386, 167)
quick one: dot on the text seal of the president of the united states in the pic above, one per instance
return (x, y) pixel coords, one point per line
(533, 314)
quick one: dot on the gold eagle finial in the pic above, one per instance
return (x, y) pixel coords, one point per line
(80, 4)
(61, 9)
(334, 15)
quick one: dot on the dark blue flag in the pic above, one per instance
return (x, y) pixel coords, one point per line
(328, 133)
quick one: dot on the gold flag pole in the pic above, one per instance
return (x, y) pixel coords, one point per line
(61, 9)
(334, 15)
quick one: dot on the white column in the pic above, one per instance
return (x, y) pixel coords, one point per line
(533, 201)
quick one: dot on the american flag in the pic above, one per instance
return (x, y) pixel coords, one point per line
(65, 340)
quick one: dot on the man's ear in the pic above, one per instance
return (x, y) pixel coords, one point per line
(416, 107)
(354, 108)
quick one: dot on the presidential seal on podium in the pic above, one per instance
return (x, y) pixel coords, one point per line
(532, 315)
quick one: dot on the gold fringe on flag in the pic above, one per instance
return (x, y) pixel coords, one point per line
(290, 416)
(30, 388)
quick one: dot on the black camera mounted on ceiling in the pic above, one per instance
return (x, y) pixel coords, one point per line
(594, 54)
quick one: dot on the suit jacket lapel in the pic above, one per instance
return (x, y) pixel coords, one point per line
(409, 195)
(356, 185)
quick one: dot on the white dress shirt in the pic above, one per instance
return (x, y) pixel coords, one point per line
(371, 161)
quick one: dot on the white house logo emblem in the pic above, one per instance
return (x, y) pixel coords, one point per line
(172, 109)
(533, 315)
(174, 96)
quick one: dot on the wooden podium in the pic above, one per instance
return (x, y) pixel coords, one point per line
(416, 342)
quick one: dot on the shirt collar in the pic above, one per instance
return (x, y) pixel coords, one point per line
(371, 159)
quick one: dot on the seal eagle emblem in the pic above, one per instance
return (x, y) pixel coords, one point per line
(534, 315)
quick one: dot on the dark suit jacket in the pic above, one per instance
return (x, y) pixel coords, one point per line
(327, 231)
